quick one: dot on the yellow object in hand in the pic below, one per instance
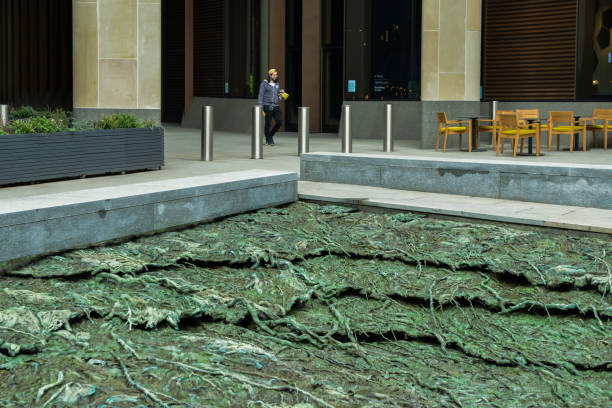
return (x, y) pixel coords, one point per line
(285, 95)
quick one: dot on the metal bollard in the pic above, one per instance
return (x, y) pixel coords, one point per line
(207, 134)
(256, 134)
(388, 141)
(493, 115)
(303, 130)
(347, 139)
(4, 113)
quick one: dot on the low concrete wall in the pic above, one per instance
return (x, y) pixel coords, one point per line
(454, 111)
(584, 109)
(579, 108)
(230, 114)
(554, 183)
(369, 120)
(45, 224)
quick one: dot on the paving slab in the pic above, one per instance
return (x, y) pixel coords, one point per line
(47, 223)
(491, 209)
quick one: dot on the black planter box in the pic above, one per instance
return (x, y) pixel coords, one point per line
(48, 156)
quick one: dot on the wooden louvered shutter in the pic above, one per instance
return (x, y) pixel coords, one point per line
(530, 49)
(208, 48)
(36, 53)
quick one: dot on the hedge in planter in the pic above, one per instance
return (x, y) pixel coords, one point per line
(28, 157)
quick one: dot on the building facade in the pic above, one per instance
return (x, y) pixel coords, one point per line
(165, 59)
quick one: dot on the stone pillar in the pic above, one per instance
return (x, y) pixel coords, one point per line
(311, 61)
(276, 41)
(117, 57)
(450, 64)
(450, 59)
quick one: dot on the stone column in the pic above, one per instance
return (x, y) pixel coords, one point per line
(311, 61)
(450, 63)
(276, 41)
(117, 57)
(450, 58)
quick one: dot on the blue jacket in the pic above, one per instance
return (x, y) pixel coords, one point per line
(268, 93)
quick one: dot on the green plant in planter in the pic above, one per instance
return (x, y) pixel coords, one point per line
(119, 121)
(59, 115)
(82, 125)
(149, 123)
(40, 124)
(24, 112)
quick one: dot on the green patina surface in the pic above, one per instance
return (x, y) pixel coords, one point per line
(310, 306)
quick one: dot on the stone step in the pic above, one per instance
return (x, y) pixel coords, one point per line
(492, 209)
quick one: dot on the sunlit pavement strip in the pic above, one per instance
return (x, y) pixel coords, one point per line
(518, 212)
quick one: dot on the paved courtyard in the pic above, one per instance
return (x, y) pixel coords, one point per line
(232, 152)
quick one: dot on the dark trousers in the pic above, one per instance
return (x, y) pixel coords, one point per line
(272, 112)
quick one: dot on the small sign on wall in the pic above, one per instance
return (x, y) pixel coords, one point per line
(351, 85)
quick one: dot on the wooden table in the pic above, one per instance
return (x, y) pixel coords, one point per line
(474, 124)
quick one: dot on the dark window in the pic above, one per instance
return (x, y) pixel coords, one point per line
(594, 68)
(208, 48)
(226, 48)
(242, 32)
(383, 43)
(173, 61)
(36, 53)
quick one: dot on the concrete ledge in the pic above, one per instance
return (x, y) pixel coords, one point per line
(50, 223)
(553, 183)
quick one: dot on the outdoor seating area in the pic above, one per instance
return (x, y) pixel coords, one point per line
(515, 126)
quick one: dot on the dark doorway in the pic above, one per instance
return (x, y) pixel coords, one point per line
(36, 53)
(293, 77)
(396, 44)
(332, 40)
(173, 61)
(383, 50)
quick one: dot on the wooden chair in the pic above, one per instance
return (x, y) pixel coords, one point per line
(453, 127)
(600, 122)
(512, 129)
(561, 123)
(490, 126)
(523, 115)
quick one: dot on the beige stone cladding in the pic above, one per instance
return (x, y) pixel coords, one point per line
(450, 59)
(117, 54)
